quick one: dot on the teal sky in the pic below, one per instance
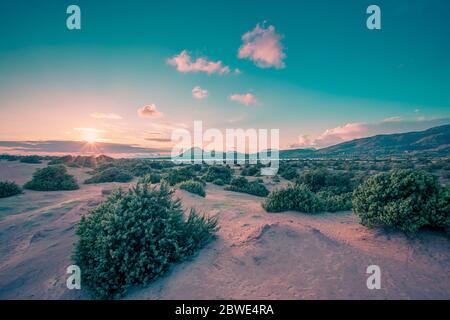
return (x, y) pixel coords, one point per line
(336, 75)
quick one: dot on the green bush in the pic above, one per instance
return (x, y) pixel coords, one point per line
(249, 170)
(287, 171)
(404, 199)
(219, 182)
(442, 216)
(223, 173)
(193, 187)
(175, 176)
(155, 178)
(294, 197)
(8, 189)
(241, 184)
(335, 202)
(326, 180)
(52, 178)
(30, 159)
(111, 174)
(134, 237)
(9, 157)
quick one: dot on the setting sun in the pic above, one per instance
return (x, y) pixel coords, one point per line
(90, 137)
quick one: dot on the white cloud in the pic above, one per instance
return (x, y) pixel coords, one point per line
(263, 46)
(393, 119)
(246, 99)
(149, 111)
(183, 62)
(109, 116)
(90, 130)
(199, 93)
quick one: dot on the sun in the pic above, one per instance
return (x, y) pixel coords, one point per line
(90, 137)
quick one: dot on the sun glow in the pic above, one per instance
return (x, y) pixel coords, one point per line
(91, 137)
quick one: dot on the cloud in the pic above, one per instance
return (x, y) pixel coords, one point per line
(358, 130)
(109, 116)
(199, 93)
(246, 99)
(263, 47)
(91, 130)
(393, 119)
(149, 111)
(159, 139)
(55, 147)
(184, 64)
(304, 141)
(343, 133)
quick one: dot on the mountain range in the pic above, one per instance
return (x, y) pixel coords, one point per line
(434, 142)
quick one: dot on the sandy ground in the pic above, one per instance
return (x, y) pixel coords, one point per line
(255, 256)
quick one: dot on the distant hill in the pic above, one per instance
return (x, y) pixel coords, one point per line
(431, 142)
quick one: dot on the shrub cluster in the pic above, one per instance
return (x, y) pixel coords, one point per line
(299, 197)
(194, 187)
(403, 199)
(8, 189)
(219, 182)
(175, 176)
(30, 159)
(250, 170)
(287, 171)
(52, 178)
(111, 174)
(134, 237)
(326, 180)
(294, 197)
(223, 173)
(241, 184)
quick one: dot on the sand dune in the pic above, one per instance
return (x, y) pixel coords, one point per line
(255, 256)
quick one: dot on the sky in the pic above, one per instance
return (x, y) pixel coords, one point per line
(137, 70)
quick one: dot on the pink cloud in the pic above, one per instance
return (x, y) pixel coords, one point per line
(149, 111)
(343, 133)
(199, 93)
(109, 116)
(263, 47)
(184, 64)
(304, 141)
(246, 99)
(357, 130)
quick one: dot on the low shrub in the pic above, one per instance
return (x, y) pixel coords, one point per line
(134, 237)
(8, 189)
(30, 159)
(294, 197)
(174, 176)
(223, 173)
(194, 187)
(326, 180)
(219, 182)
(52, 178)
(287, 171)
(111, 174)
(335, 202)
(249, 170)
(241, 184)
(403, 199)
